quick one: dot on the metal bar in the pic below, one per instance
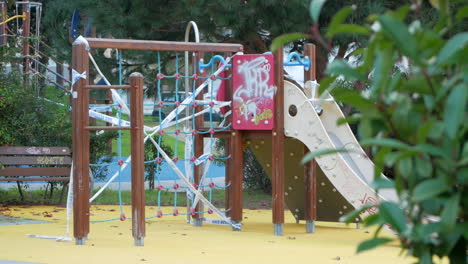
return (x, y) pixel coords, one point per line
(90, 128)
(34, 151)
(277, 172)
(80, 63)
(35, 172)
(163, 45)
(311, 167)
(51, 71)
(106, 87)
(26, 33)
(138, 158)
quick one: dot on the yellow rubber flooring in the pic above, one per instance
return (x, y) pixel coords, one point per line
(171, 240)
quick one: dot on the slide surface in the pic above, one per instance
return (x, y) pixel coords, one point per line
(350, 173)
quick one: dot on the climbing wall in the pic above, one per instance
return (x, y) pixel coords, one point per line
(331, 205)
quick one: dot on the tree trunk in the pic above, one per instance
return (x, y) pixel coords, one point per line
(18, 184)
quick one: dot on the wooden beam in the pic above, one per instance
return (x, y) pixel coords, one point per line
(278, 138)
(80, 63)
(55, 151)
(138, 158)
(46, 179)
(106, 87)
(163, 45)
(35, 160)
(310, 168)
(35, 172)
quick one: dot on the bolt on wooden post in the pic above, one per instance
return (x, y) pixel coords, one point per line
(138, 154)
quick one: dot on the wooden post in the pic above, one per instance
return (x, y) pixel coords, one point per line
(26, 33)
(138, 154)
(3, 32)
(277, 168)
(80, 137)
(311, 167)
(198, 145)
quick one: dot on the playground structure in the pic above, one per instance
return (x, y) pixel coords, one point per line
(295, 127)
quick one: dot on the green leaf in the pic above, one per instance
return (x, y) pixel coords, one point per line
(313, 155)
(452, 47)
(385, 142)
(338, 19)
(431, 150)
(353, 215)
(372, 243)
(315, 8)
(340, 67)
(450, 213)
(455, 109)
(382, 183)
(397, 32)
(428, 189)
(393, 215)
(347, 29)
(462, 12)
(286, 38)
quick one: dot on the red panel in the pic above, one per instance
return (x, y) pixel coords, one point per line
(254, 90)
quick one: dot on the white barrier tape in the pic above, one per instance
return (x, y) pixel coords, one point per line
(76, 76)
(202, 158)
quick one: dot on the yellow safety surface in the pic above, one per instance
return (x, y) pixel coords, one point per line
(171, 240)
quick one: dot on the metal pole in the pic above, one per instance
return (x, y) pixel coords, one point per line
(26, 33)
(3, 33)
(138, 154)
(277, 168)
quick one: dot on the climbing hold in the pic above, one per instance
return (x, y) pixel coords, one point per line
(322, 183)
(120, 162)
(158, 160)
(268, 165)
(122, 217)
(160, 76)
(256, 147)
(334, 190)
(286, 193)
(297, 210)
(296, 178)
(290, 188)
(192, 212)
(320, 200)
(238, 122)
(291, 154)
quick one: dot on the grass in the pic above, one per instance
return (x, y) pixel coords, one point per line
(251, 199)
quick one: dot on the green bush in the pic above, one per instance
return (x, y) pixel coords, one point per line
(416, 123)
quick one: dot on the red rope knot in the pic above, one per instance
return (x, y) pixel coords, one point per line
(158, 160)
(177, 132)
(195, 77)
(175, 212)
(213, 77)
(211, 157)
(210, 211)
(211, 185)
(177, 76)
(160, 104)
(160, 214)
(195, 186)
(212, 131)
(162, 132)
(193, 159)
(176, 186)
(122, 217)
(120, 162)
(194, 104)
(194, 132)
(177, 104)
(192, 212)
(161, 188)
(212, 104)
(160, 76)
(175, 159)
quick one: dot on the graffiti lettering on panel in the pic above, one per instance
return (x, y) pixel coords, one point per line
(254, 90)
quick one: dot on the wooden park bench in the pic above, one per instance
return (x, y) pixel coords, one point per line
(45, 164)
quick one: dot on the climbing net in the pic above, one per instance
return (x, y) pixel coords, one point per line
(177, 120)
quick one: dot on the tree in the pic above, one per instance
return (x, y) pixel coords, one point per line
(416, 121)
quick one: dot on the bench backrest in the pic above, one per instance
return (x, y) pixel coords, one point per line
(53, 163)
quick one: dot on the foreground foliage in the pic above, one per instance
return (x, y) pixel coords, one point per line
(415, 120)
